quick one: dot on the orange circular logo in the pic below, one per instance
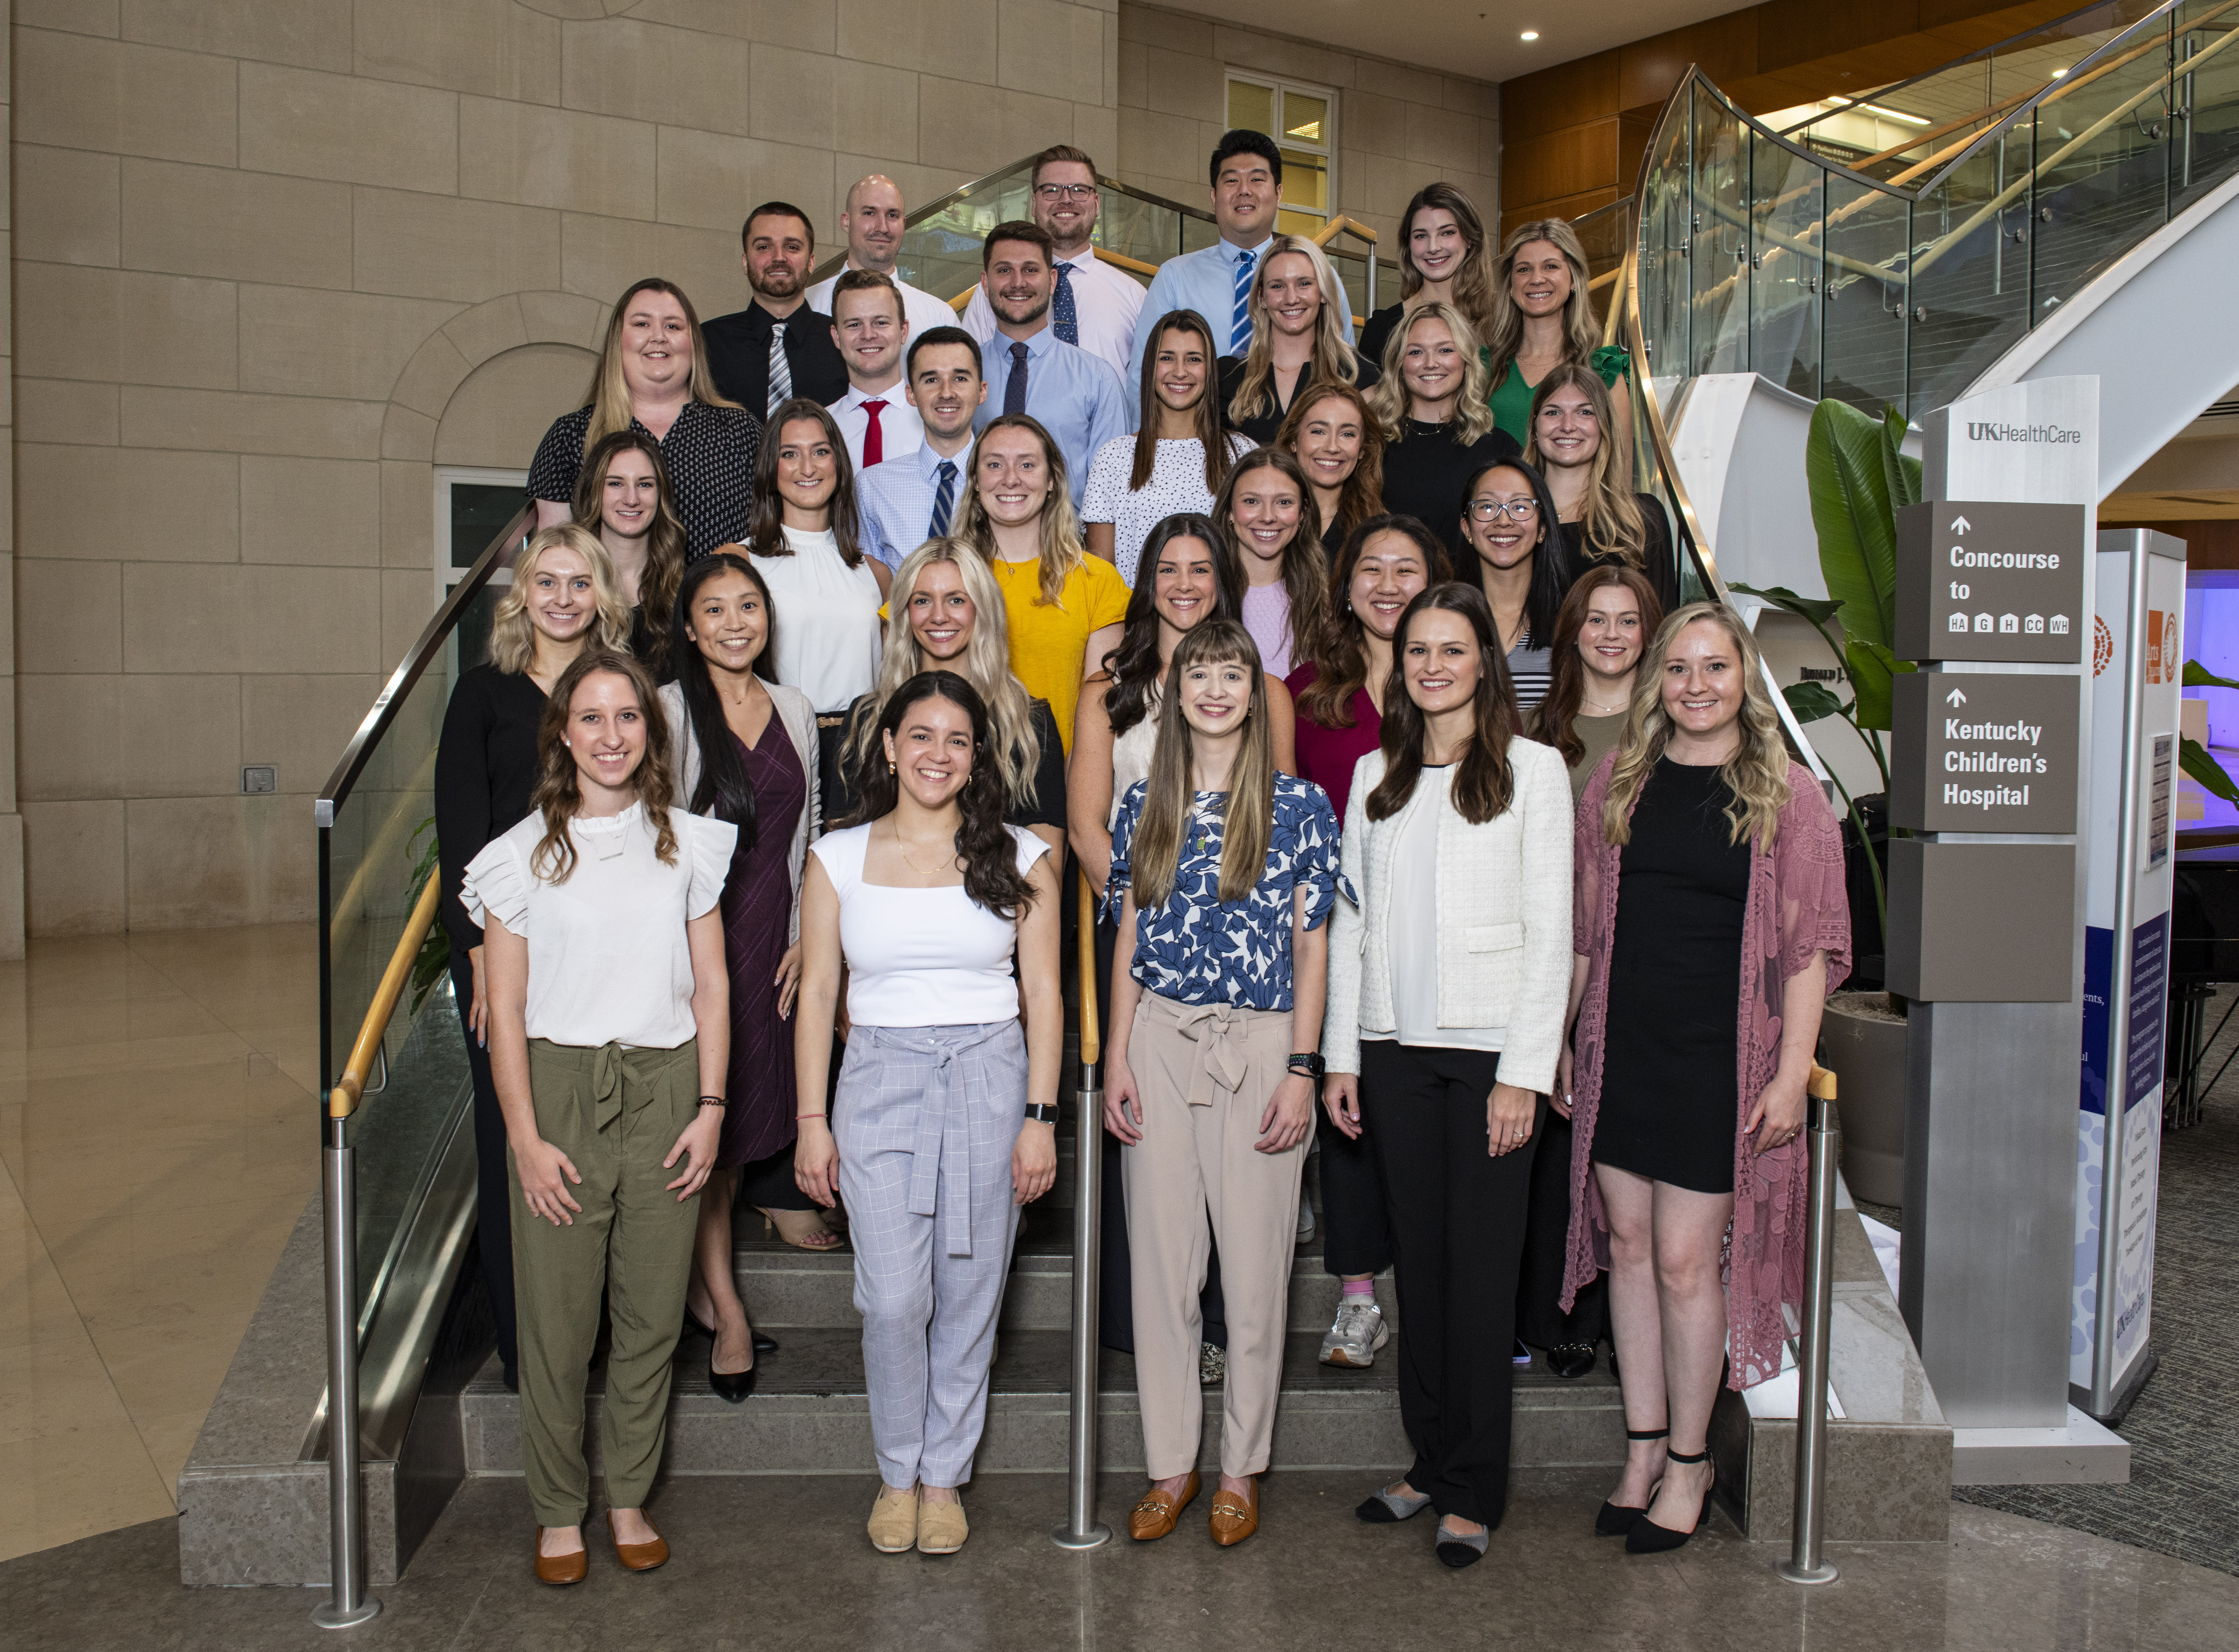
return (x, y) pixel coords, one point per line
(2103, 647)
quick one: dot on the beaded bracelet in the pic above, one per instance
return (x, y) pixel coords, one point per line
(714, 1101)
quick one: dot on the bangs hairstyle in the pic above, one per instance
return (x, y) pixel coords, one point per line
(725, 789)
(1390, 398)
(664, 540)
(1484, 782)
(1134, 666)
(1505, 332)
(558, 795)
(1247, 822)
(1550, 562)
(513, 638)
(1305, 567)
(1566, 690)
(1062, 550)
(992, 878)
(1473, 281)
(1362, 496)
(986, 663)
(1757, 771)
(1205, 417)
(1340, 652)
(765, 521)
(1334, 360)
(609, 394)
(1610, 522)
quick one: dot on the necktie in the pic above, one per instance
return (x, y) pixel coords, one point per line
(1014, 388)
(874, 444)
(1065, 314)
(943, 498)
(780, 370)
(1240, 325)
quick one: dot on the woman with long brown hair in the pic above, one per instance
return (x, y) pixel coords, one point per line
(1711, 921)
(653, 377)
(1444, 1022)
(1600, 521)
(622, 494)
(1445, 257)
(1297, 308)
(609, 1040)
(1605, 622)
(1332, 433)
(1543, 318)
(1507, 521)
(1267, 508)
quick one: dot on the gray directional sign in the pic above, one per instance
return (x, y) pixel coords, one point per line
(1977, 753)
(1981, 580)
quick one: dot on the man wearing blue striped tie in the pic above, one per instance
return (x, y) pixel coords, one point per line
(905, 501)
(1246, 175)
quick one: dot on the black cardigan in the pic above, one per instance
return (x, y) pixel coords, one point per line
(485, 770)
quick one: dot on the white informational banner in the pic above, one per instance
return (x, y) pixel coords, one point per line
(2155, 678)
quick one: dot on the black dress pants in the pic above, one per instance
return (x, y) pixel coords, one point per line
(1457, 1234)
(493, 1176)
(1540, 1320)
(1355, 1230)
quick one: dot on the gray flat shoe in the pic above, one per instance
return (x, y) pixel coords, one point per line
(1386, 1508)
(1459, 1551)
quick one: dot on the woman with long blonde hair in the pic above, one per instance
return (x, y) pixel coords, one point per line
(1297, 308)
(623, 495)
(1543, 318)
(1333, 435)
(1062, 606)
(1600, 522)
(1444, 255)
(653, 377)
(1711, 921)
(1438, 430)
(1225, 871)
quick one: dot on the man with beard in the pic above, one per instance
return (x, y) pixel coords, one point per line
(1095, 303)
(1029, 369)
(777, 347)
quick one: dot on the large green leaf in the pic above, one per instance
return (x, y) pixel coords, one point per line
(1871, 666)
(1903, 473)
(1818, 610)
(1810, 701)
(2196, 675)
(1855, 490)
(2192, 757)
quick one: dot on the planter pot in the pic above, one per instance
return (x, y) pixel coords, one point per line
(1864, 1044)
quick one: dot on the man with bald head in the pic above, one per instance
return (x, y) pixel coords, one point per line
(873, 227)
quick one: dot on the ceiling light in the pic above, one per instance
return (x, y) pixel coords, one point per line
(1895, 115)
(1529, 34)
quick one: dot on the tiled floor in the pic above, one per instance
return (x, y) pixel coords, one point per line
(156, 1144)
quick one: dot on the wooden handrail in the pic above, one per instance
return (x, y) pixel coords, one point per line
(1090, 1042)
(1330, 230)
(342, 1099)
(1821, 1083)
(1133, 266)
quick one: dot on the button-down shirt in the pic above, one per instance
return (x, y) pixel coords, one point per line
(920, 308)
(738, 354)
(899, 429)
(1077, 398)
(1106, 299)
(1203, 280)
(894, 501)
(710, 453)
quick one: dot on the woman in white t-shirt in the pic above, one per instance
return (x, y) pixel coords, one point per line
(1174, 464)
(945, 1119)
(609, 1043)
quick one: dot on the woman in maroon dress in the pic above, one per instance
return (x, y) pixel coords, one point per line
(745, 752)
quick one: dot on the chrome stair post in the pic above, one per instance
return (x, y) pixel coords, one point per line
(350, 1605)
(1804, 1564)
(1081, 1529)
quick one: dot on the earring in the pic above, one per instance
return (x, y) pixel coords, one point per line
(890, 765)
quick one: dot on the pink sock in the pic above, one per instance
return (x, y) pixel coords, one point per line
(1361, 1288)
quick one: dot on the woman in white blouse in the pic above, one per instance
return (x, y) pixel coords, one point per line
(609, 1008)
(1446, 1017)
(1175, 462)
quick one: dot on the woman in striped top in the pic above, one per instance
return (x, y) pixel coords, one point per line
(1508, 521)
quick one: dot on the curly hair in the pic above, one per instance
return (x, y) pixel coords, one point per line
(1391, 398)
(513, 635)
(1485, 783)
(1340, 654)
(1553, 717)
(558, 793)
(665, 551)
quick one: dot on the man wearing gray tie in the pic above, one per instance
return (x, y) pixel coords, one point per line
(779, 346)
(907, 501)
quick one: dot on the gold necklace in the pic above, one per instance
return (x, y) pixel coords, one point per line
(1602, 711)
(903, 848)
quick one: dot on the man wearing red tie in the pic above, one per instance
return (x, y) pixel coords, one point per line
(867, 324)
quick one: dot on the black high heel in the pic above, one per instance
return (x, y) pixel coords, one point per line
(1647, 1538)
(1617, 1519)
(733, 1386)
(761, 1344)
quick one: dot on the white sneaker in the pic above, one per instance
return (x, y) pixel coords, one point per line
(1359, 1331)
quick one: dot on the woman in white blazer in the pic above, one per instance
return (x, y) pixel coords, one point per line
(1446, 994)
(744, 751)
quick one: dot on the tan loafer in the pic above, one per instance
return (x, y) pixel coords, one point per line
(643, 1557)
(894, 1521)
(1234, 1518)
(942, 1527)
(1159, 1511)
(560, 1570)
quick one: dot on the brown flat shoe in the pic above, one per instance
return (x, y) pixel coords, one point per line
(643, 1557)
(1156, 1514)
(560, 1570)
(1233, 1518)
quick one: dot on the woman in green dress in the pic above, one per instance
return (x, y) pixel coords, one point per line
(1543, 318)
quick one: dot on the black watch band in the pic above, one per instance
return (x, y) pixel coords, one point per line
(1306, 1062)
(1041, 1112)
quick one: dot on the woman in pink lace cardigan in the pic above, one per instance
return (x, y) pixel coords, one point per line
(1695, 1002)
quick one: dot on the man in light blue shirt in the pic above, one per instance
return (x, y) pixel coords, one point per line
(1078, 398)
(907, 501)
(1215, 282)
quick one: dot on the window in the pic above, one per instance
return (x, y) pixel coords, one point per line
(471, 506)
(1301, 121)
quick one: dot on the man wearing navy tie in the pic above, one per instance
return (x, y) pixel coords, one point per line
(1076, 398)
(905, 501)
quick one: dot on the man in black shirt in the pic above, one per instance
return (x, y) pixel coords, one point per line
(742, 347)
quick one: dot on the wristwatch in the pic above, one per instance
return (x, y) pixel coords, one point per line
(1041, 1112)
(1306, 1062)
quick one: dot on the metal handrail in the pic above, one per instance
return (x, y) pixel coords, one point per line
(1805, 1564)
(349, 1089)
(1080, 1528)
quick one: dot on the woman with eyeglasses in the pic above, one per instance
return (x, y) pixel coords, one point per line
(1521, 567)
(1601, 524)
(1438, 431)
(1297, 308)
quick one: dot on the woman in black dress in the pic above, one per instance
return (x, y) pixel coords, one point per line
(1438, 431)
(1298, 307)
(1574, 446)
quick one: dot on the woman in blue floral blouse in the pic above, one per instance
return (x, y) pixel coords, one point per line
(1225, 872)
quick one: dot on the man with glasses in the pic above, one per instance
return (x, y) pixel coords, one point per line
(1095, 303)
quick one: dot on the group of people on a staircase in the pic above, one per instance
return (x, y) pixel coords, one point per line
(1422, 827)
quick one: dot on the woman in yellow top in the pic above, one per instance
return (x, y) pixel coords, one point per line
(1065, 607)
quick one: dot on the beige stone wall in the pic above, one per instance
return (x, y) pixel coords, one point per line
(1398, 127)
(273, 259)
(11, 822)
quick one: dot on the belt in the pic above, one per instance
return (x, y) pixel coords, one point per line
(831, 720)
(941, 1158)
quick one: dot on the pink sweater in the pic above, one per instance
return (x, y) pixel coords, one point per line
(1797, 906)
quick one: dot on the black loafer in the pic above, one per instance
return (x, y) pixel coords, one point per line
(1571, 1360)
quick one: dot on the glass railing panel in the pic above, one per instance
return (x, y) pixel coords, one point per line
(940, 251)
(2207, 141)
(1969, 288)
(1666, 293)
(1719, 260)
(1863, 319)
(1788, 212)
(2102, 167)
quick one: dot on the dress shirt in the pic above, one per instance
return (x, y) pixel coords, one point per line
(1203, 280)
(1077, 398)
(920, 308)
(894, 502)
(1106, 299)
(899, 429)
(738, 354)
